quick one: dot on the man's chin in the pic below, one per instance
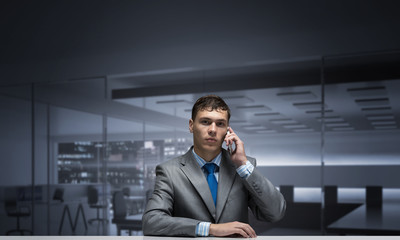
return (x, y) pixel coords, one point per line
(212, 147)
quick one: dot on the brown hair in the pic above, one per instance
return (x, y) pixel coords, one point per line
(210, 103)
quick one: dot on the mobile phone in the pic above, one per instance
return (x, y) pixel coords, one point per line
(229, 146)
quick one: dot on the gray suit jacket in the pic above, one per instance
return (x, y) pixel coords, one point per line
(182, 198)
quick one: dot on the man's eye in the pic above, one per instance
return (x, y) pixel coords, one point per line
(204, 122)
(221, 124)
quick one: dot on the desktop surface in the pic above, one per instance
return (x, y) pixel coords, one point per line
(204, 238)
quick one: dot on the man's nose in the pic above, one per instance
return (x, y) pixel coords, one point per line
(212, 129)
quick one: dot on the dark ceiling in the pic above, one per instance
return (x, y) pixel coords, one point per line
(58, 40)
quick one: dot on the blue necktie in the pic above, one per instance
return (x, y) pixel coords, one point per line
(212, 181)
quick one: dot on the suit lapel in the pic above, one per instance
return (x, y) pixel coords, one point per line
(227, 173)
(195, 175)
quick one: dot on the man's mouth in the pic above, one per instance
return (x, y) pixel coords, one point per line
(211, 140)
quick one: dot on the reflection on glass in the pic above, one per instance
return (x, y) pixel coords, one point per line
(129, 162)
(361, 145)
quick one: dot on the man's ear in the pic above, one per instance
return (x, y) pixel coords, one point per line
(191, 126)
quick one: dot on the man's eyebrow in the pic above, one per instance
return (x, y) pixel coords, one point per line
(217, 120)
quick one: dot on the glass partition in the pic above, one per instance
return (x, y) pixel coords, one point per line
(143, 136)
(16, 175)
(125, 171)
(325, 133)
(361, 154)
(71, 140)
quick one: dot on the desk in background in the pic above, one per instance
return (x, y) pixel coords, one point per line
(384, 220)
(135, 204)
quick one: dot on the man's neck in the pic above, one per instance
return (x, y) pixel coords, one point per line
(207, 156)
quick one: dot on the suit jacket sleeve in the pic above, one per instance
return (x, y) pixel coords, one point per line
(265, 201)
(158, 217)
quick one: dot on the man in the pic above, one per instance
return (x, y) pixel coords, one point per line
(207, 191)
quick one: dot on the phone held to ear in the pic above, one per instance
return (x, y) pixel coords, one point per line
(229, 146)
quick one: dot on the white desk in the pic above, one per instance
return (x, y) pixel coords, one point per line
(172, 238)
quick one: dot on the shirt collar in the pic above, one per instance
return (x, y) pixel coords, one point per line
(202, 162)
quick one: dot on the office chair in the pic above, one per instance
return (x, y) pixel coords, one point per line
(13, 210)
(124, 222)
(59, 194)
(126, 191)
(93, 201)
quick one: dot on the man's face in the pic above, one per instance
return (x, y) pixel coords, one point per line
(209, 130)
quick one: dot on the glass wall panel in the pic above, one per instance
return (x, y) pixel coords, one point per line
(331, 149)
(16, 177)
(70, 152)
(143, 135)
(361, 154)
(173, 139)
(125, 172)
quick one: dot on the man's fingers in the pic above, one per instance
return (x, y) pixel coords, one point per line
(229, 140)
(232, 228)
(231, 130)
(232, 138)
(242, 233)
(246, 231)
(249, 230)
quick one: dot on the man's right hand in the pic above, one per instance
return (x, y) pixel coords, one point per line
(231, 229)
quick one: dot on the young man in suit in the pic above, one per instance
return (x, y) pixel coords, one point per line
(208, 190)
